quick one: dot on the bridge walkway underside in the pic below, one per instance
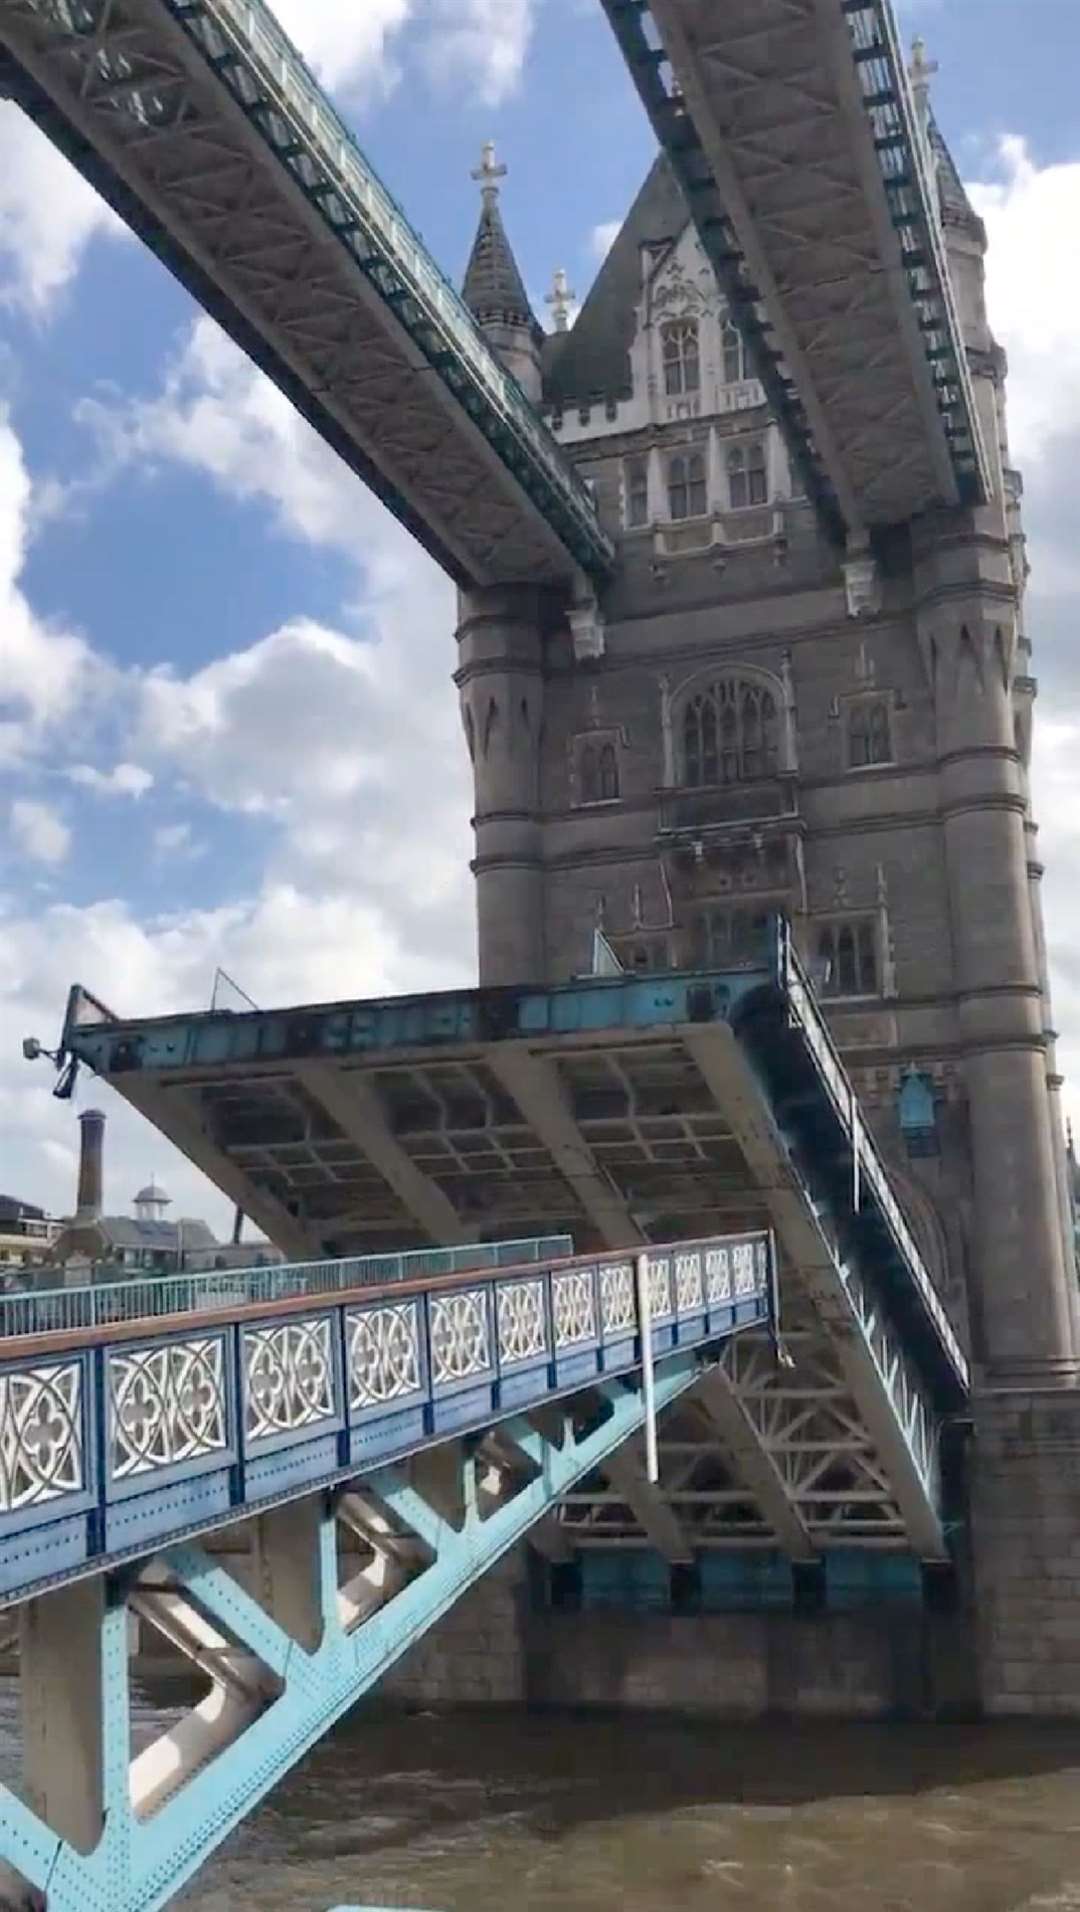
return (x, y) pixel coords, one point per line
(199, 123)
(793, 131)
(619, 1111)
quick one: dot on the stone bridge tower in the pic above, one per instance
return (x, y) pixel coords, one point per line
(764, 726)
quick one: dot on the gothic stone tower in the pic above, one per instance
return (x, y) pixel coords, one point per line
(759, 725)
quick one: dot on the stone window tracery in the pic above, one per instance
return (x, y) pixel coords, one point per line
(869, 732)
(730, 733)
(598, 773)
(747, 478)
(727, 938)
(687, 496)
(846, 957)
(681, 356)
(637, 492)
(733, 353)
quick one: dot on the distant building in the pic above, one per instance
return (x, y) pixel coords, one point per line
(95, 1246)
(26, 1232)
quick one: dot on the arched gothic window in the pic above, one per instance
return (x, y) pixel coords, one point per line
(747, 479)
(869, 739)
(598, 773)
(730, 733)
(686, 485)
(682, 358)
(847, 959)
(733, 352)
(608, 773)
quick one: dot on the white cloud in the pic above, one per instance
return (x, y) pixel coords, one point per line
(346, 742)
(46, 672)
(39, 832)
(349, 47)
(175, 842)
(123, 780)
(48, 215)
(1033, 291)
(481, 43)
(603, 237)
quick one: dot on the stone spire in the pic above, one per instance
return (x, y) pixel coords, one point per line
(493, 289)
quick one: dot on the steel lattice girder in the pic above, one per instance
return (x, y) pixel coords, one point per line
(281, 1682)
(793, 132)
(201, 126)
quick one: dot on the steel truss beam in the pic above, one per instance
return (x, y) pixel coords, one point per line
(198, 121)
(791, 126)
(281, 1667)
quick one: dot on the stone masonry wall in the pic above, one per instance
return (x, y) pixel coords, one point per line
(1026, 1522)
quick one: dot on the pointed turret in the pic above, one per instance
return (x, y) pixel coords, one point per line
(493, 288)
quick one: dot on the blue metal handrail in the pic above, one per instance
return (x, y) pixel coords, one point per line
(58, 1310)
(120, 1443)
(802, 1008)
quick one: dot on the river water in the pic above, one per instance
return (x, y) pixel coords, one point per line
(509, 1812)
(549, 1813)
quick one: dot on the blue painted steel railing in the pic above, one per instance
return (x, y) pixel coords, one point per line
(60, 1310)
(871, 1174)
(115, 1444)
(359, 207)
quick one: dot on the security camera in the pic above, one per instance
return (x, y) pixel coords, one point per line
(31, 1049)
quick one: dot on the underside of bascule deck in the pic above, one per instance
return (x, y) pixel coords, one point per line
(621, 1111)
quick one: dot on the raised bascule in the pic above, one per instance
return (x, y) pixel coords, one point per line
(746, 1291)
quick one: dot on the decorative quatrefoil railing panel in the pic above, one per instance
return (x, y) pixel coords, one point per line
(123, 1445)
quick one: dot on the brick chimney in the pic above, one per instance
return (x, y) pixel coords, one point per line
(91, 1144)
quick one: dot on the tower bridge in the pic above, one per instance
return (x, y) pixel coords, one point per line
(746, 684)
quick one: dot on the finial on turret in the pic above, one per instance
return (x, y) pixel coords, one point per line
(488, 173)
(560, 299)
(920, 73)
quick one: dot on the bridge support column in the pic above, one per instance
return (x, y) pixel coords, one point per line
(287, 1567)
(499, 678)
(1021, 1306)
(63, 1696)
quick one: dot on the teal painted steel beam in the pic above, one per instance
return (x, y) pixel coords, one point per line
(141, 1862)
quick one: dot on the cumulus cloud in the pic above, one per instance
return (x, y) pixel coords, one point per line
(48, 215)
(39, 831)
(481, 44)
(344, 741)
(349, 47)
(603, 237)
(46, 671)
(123, 780)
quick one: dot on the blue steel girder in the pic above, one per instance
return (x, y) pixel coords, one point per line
(199, 122)
(276, 1688)
(792, 128)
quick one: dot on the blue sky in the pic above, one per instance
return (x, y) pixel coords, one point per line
(226, 717)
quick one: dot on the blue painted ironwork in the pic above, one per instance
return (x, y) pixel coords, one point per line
(910, 1288)
(112, 1446)
(144, 1856)
(60, 1310)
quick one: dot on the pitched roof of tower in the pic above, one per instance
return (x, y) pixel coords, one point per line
(593, 358)
(955, 203)
(493, 286)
